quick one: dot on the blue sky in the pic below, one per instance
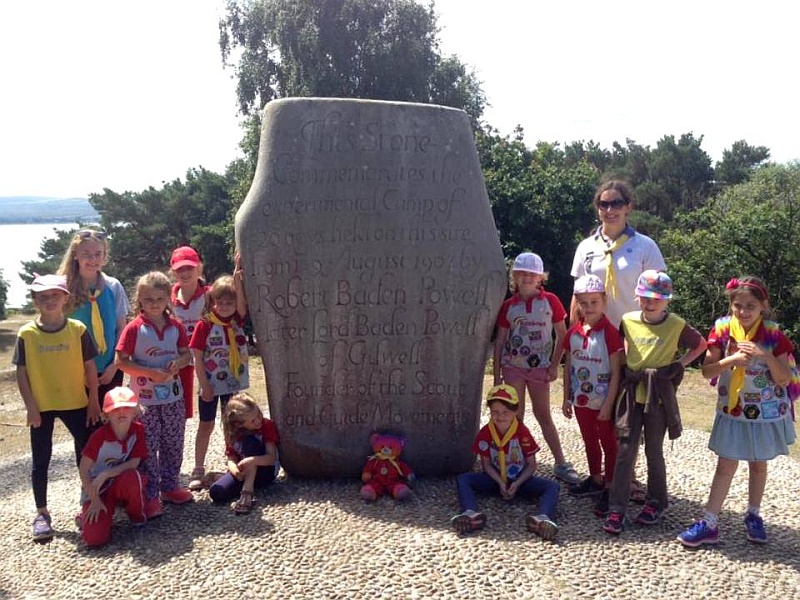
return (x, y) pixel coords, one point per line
(128, 95)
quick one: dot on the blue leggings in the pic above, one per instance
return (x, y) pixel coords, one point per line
(42, 446)
(546, 490)
(228, 488)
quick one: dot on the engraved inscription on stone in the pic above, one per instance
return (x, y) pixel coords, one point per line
(373, 275)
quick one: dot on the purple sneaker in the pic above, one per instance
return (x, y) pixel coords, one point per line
(42, 529)
(698, 534)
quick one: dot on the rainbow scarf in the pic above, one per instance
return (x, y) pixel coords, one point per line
(723, 330)
(738, 334)
(501, 443)
(233, 354)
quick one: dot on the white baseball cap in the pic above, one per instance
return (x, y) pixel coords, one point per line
(529, 262)
(588, 284)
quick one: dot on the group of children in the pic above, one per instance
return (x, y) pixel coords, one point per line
(70, 363)
(620, 385)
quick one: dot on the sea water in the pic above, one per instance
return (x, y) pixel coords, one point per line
(22, 242)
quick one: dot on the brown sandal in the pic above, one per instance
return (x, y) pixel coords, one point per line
(244, 504)
(638, 492)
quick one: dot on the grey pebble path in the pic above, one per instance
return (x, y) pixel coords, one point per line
(317, 539)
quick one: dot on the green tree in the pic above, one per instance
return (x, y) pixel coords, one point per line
(747, 229)
(630, 162)
(541, 201)
(738, 163)
(683, 171)
(50, 252)
(590, 152)
(145, 227)
(385, 50)
(673, 177)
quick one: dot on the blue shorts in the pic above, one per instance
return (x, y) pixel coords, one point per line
(208, 410)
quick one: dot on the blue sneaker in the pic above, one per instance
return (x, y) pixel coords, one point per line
(567, 473)
(698, 534)
(755, 528)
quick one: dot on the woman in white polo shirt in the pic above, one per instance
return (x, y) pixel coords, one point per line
(615, 251)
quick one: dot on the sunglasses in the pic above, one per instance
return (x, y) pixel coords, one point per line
(87, 233)
(615, 204)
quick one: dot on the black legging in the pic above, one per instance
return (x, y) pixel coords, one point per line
(42, 446)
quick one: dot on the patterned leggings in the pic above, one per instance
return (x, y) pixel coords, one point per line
(164, 427)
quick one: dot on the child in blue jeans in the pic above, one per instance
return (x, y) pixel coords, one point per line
(508, 455)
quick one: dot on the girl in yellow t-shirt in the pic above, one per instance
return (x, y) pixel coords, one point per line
(54, 356)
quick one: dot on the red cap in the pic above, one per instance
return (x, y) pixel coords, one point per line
(185, 256)
(119, 397)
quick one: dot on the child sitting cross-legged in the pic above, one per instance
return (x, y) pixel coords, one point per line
(508, 454)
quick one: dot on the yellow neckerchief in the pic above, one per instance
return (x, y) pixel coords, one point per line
(512, 430)
(738, 334)
(97, 323)
(611, 276)
(233, 353)
(392, 461)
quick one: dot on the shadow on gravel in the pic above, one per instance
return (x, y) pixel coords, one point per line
(433, 504)
(176, 532)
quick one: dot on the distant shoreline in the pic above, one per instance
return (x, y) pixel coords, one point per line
(34, 210)
(48, 220)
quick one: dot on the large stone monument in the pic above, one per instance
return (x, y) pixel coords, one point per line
(373, 274)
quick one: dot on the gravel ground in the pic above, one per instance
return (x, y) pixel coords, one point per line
(317, 539)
